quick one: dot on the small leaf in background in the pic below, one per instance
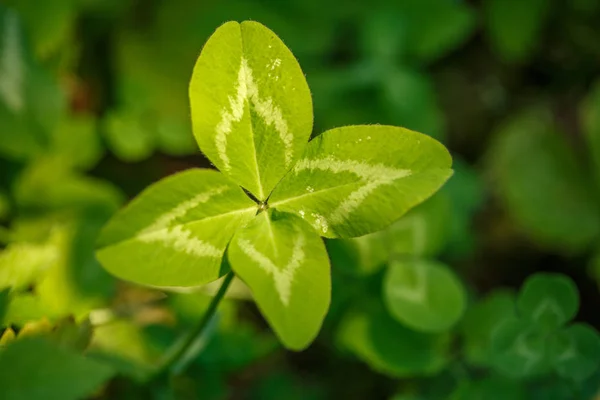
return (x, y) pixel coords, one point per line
(76, 140)
(421, 30)
(251, 106)
(549, 300)
(48, 184)
(411, 101)
(437, 26)
(515, 26)
(284, 262)
(536, 173)
(364, 255)
(589, 114)
(126, 347)
(423, 231)
(185, 221)
(127, 137)
(175, 137)
(480, 321)
(576, 352)
(23, 308)
(425, 295)
(22, 263)
(519, 349)
(356, 180)
(391, 348)
(49, 24)
(466, 194)
(34, 368)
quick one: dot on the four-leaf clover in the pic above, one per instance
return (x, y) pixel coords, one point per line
(252, 117)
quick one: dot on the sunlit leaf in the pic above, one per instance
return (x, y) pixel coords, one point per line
(356, 180)
(284, 262)
(22, 263)
(549, 300)
(424, 295)
(184, 222)
(251, 107)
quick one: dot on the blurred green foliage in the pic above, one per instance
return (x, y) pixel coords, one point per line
(93, 108)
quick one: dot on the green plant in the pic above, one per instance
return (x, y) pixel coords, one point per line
(252, 117)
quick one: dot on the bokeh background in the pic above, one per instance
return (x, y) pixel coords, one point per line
(94, 107)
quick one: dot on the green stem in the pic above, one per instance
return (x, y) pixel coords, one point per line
(183, 348)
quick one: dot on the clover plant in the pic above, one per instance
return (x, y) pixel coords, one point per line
(275, 192)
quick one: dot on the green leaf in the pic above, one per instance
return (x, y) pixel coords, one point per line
(514, 26)
(389, 347)
(50, 184)
(411, 101)
(23, 308)
(75, 139)
(50, 24)
(284, 262)
(176, 231)
(424, 230)
(356, 180)
(576, 352)
(536, 174)
(481, 320)
(126, 347)
(33, 368)
(590, 121)
(127, 137)
(425, 295)
(23, 263)
(519, 349)
(361, 256)
(549, 300)
(251, 106)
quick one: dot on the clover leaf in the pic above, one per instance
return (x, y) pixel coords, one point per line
(252, 117)
(537, 340)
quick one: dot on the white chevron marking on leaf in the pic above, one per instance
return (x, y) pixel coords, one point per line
(283, 277)
(234, 115)
(181, 209)
(418, 292)
(265, 108)
(374, 176)
(181, 240)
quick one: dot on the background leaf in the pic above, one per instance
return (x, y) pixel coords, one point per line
(549, 300)
(33, 368)
(424, 295)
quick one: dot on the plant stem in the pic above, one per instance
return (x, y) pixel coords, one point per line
(183, 348)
